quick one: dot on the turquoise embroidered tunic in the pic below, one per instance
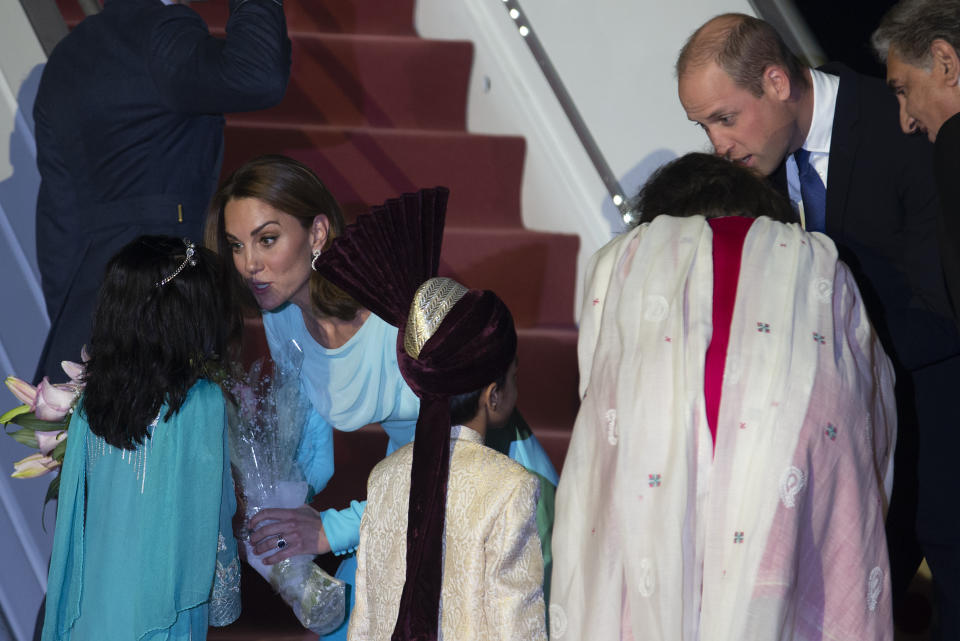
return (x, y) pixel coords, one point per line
(150, 553)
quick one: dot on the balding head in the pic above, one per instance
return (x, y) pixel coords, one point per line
(738, 80)
(707, 43)
(744, 47)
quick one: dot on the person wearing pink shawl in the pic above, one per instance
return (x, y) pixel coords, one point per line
(731, 463)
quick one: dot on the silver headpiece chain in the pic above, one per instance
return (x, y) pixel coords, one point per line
(188, 260)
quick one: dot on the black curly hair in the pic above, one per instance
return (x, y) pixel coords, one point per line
(710, 186)
(151, 342)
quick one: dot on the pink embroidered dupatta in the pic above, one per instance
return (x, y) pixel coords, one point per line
(778, 534)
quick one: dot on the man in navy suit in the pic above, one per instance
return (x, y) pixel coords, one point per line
(829, 138)
(129, 129)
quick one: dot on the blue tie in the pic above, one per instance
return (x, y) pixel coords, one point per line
(812, 192)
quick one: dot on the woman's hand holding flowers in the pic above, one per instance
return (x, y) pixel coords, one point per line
(301, 528)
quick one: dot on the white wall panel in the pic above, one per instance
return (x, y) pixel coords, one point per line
(616, 59)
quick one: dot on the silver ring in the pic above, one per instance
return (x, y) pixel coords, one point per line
(281, 542)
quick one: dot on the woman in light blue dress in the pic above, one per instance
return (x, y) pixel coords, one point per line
(143, 547)
(274, 216)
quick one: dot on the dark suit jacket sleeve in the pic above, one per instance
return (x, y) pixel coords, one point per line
(198, 73)
(57, 194)
(920, 207)
(947, 170)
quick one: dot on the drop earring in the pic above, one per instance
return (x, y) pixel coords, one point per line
(313, 261)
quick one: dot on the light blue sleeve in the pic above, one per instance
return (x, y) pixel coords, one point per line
(278, 330)
(343, 527)
(315, 458)
(530, 454)
(315, 454)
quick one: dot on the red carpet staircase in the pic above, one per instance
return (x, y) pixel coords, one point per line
(377, 111)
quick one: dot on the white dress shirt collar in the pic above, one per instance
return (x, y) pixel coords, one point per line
(825, 89)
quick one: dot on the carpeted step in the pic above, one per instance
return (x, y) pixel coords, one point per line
(324, 16)
(71, 12)
(549, 397)
(264, 616)
(548, 379)
(367, 81)
(529, 270)
(365, 166)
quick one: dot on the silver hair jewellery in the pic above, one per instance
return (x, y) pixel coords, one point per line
(188, 260)
(313, 261)
(281, 542)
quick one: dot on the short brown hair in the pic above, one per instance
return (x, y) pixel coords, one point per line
(744, 47)
(291, 187)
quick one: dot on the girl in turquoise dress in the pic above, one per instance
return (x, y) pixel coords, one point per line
(143, 547)
(274, 217)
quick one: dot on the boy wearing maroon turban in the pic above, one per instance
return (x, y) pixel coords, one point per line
(492, 576)
(448, 542)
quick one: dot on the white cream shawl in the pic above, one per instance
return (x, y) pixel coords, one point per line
(779, 533)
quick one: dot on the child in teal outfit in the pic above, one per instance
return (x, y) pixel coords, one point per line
(143, 547)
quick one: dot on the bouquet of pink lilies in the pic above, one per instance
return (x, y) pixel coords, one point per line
(43, 420)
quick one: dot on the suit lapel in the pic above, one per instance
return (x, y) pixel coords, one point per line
(843, 150)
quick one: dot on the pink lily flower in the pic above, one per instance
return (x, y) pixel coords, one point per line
(47, 441)
(54, 401)
(74, 371)
(33, 466)
(24, 391)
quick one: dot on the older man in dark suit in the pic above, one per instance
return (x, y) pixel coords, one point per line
(829, 138)
(129, 127)
(918, 40)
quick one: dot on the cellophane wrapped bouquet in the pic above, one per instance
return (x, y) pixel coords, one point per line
(265, 426)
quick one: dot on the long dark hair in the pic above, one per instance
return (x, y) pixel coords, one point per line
(152, 342)
(291, 187)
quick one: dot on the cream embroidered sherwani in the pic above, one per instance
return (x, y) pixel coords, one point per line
(492, 567)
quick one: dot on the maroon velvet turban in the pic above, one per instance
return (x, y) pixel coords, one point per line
(381, 261)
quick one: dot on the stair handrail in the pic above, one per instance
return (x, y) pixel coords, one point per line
(580, 128)
(782, 14)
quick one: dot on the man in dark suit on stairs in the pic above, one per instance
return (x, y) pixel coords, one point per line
(129, 129)
(829, 139)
